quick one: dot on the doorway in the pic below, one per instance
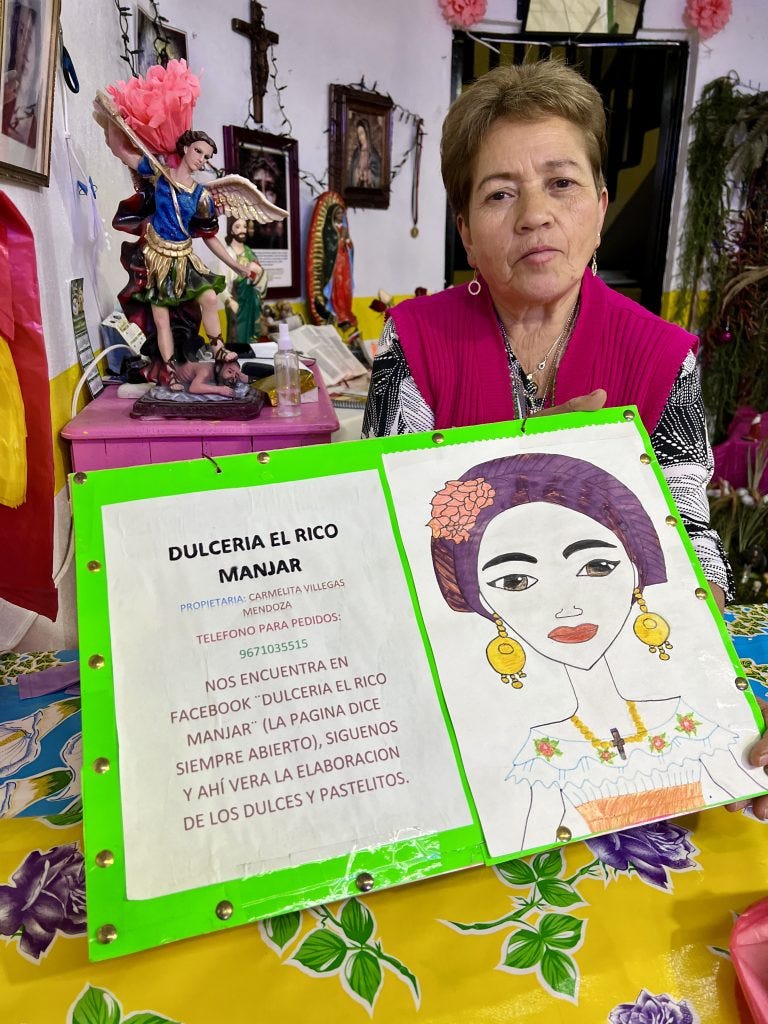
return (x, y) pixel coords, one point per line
(642, 85)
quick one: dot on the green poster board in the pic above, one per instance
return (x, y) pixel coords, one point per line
(265, 724)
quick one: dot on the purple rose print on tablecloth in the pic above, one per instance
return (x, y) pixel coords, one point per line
(650, 1009)
(652, 850)
(47, 895)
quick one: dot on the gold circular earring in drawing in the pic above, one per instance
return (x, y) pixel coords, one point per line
(506, 656)
(651, 629)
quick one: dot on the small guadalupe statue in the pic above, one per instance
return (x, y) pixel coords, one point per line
(148, 126)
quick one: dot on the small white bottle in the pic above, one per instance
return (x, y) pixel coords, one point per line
(287, 375)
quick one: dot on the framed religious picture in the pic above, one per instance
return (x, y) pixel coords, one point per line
(29, 32)
(360, 146)
(271, 162)
(157, 46)
(583, 17)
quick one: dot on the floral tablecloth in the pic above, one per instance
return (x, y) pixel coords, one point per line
(630, 928)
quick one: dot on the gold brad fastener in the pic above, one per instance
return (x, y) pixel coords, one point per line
(104, 859)
(105, 934)
(94, 566)
(80, 478)
(224, 910)
(438, 438)
(671, 521)
(96, 661)
(364, 881)
(701, 593)
(628, 415)
(101, 765)
(645, 458)
(563, 834)
(741, 683)
(263, 458)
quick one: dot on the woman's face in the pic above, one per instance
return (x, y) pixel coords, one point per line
(534, 212)
(561, 582)
(362, 136)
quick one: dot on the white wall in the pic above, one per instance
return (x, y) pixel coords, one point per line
(403, 46)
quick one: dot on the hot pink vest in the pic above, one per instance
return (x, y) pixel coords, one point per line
(454, 347)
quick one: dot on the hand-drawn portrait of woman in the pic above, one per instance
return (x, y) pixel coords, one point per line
(22, 73)
(562, 559)
(267, 173)
(365, 160)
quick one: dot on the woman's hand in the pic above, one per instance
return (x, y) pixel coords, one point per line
(758, 758)
(583, 403)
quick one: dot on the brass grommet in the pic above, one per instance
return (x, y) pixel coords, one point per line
(438, 438)
(563, 834)
(645, 458)
(364, 881)
(263, 458)
(94, 566)
(671, 521)
(224, 910)
(80, 478)
(105, 934)
(741, 683)
(104, 859)
(628, 415)
(101, 765)
(96, 661)
(701, 593)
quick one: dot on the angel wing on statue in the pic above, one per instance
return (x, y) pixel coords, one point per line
(147, 124)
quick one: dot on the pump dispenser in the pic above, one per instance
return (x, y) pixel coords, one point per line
(287, 375)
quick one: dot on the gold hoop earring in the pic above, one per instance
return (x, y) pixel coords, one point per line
(651, 629)
(594, 263)
(474, 287)
(506, 656)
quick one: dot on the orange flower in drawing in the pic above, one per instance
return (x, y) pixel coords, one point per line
(456, 507)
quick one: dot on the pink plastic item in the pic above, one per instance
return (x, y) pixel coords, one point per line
(749, 952)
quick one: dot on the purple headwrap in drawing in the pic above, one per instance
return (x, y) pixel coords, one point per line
(464, 508)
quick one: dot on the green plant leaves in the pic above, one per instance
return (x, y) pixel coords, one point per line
(524, 950)
(281, 929)
(558, 893)
(96, 1006)
(147, 1018)
(363, 974)
(560, 972)
(356, 921)
(560, 931)
(549, 864)
(516, 872)
(322, 951)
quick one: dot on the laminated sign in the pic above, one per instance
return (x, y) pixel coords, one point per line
(315, 672)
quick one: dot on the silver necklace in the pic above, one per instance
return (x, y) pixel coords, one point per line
(538, 401)
(558, 340)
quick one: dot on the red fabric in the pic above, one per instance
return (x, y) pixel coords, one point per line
(455, 350)
(26, 532)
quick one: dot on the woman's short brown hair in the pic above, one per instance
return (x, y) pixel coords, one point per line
(526, 92)
(190, 136)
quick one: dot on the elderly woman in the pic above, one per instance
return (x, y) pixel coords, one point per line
(536, 330)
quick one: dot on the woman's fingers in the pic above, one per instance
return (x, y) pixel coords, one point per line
(583, 403)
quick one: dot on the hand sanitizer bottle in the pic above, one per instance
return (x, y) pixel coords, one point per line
(287, 375)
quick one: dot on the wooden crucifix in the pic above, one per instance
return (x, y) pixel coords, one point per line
(261, 40)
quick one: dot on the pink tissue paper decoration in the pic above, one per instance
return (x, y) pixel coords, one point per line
(707, 16)
(462, 13)
(159, 107)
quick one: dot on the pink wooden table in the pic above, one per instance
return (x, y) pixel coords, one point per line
(103, 435)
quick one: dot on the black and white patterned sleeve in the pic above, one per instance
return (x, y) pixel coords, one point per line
(682, 447)
(395, 405)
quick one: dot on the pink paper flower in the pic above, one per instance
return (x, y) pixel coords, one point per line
(462, 13)
(159, 107)
(456, 507)
(707, 16)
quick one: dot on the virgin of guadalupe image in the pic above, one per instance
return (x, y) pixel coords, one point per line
(562, 559)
